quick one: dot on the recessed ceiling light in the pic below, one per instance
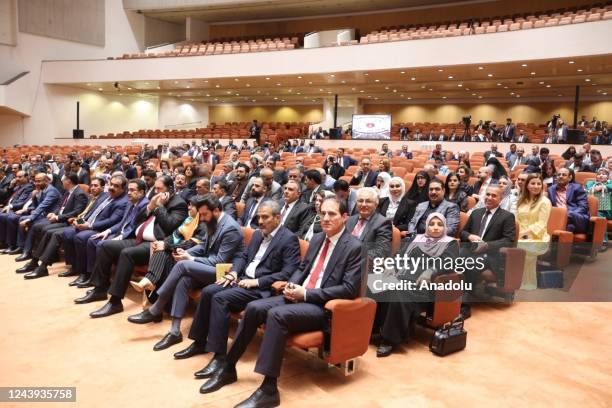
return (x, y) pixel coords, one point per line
(267, 78)
(523, 65)
(560, 95)
(479, 97)
(187, 87)
(248, 85)
(206, 81)
(422, 86)
(532, 73)
(505, 87)
(440, 70)
(481, 68)
(605, 93)
(511, 93)
(579, 70)
(444, 97)
(309, 82)
(320, 90)
(366, 74)
(395, 90)
(299, 93)
(490, 75)
(570, 62)
(252, 100)
(403, 72)
(275, 98)
(100, 89)
(413, 79)
(377, 80)
(548, 86)
(217, 86)
(450, 77)
(176, 82)
(328, 92)
(282, 100)
(541, 82)
(587, 80)
(402, 95)
(430, 89)
(207, 94)
(236, 79)
(518, 96)
(299, 77)
(278, 84)
(459, 85)
(332, 75)
(159, 87)
(88, 84)
(498, 84)
(343, 81)
(353, 89)
(362, 91)
(473, 94)
(410, 97)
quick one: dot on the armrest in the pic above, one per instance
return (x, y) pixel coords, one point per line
(350, 328)
(561, 247)
(513, 268)
(599, 226)
(279, 286)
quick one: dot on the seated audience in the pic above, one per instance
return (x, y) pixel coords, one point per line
(565, 193)
(369, 226)
(365, 176)
(436, 203)
(455, 193)
(419, 188)
(293, 211)
(601, 189)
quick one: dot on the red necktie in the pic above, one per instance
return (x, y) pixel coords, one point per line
(142, 229)
(357, 230)
(314, 276)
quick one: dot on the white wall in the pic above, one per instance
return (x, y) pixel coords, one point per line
(11, 130)
(179, 114)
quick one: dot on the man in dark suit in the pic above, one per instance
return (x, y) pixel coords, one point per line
(194, 269)
(509, 130)
(331, 270)
(127, 168)
(369, 226)
(163, 214)
(255, 131)
(181, 188)
(257, 196)
(436, 203)
(365, 177)
(228, 205)
(22, 191)
(565, 193)
(293, 211)
(312, 180)
(522, 137)
(493, 152)
(485, 177)
(344, 160)
(240, 182)
(404, 152)
(46, 200)
(280, 176)
(125, 229)
(518, 159)
(80, 246)
(489, 229)
(74, 202)
(344, 192)
(272, 255)
(230, 146)
(6, 176)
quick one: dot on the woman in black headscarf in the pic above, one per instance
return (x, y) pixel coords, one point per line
(418, 191)
(498, 169)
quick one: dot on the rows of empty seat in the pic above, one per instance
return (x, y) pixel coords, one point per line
(222, 47)
(236, 130)
(489, 26)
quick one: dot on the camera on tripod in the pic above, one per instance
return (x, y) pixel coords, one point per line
(467, 120)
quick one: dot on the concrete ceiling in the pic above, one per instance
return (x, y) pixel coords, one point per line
(228, 10)
(511, 81)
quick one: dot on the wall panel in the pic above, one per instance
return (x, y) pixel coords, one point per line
(296, 113)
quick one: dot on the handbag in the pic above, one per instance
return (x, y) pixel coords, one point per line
(449, 339)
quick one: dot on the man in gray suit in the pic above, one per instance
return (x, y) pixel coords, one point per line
(195, 268)
(436, 203)
(369, 226)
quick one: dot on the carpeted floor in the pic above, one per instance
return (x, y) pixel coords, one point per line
(527, 354)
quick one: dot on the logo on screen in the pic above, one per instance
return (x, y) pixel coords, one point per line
(370, 125)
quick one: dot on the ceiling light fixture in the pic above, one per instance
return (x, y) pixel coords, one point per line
(480, 68)
(570, 62)
(490, 75)
(450, 77)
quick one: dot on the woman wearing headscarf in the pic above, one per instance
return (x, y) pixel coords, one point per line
(382, 184)
(569, 153)
(418, 191)
(190, 233)
(396, 321)
(388, 205)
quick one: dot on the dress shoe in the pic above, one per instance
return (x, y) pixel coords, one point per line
(466, 311)
(107, 310)
(69, 272)
(81, 279)
(260, 399)
(24, 257)
(193, 350)
(145, 317)
(6, 250)
(29, 267)
(15, 251)
(93, 296)
(384, 350)
(168, 341)
(40, 272)
(221, 378)
(211, 368)
(86, 284)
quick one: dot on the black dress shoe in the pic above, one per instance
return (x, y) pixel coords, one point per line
(93, 296)
(15, 251)
(24, 257)
(384, 350)
(193, 350)
(168, 341)
(29, 267)
(211, 368)
(81, 279)
(145, 317)
(107, 310)
(69, 272)
(40, 272)
(221, 378)
(86, 284)
(259, 399)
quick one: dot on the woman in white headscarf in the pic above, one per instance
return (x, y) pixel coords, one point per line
(382, 184)
(388, 205)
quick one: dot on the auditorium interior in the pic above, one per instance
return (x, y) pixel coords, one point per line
(233, 169)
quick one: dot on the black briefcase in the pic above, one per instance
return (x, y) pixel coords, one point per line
(449, 339)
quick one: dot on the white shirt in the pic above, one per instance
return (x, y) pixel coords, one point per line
(263, 247)
(289, 208)
(253, 212)
(493, 211)
(332, 245)
(392, 208)
(61, 211)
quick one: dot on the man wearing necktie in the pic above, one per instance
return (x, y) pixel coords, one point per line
(22, 191)
(73, 202)
(293, 211)
(258, 195)
(163, 214)
(79, 250)
(487, 231)
(123, 230)
(330, 270)
(51, 235)
(45, 200)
